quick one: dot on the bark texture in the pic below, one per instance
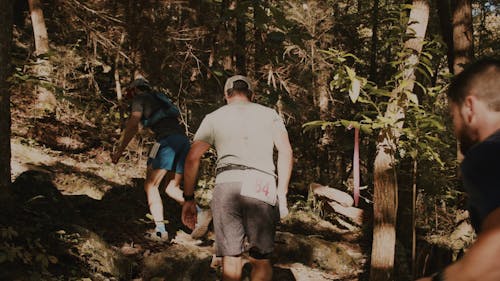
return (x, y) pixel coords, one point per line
(463, 51)
(5, 44)
(39, 28)
(385, 180)
(444, 13)
(42, 69)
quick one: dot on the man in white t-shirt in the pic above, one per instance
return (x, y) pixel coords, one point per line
(247, 202)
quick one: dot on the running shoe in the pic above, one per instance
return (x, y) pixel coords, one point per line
(203, 219)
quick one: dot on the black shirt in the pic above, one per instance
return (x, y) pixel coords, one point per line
(481, 177)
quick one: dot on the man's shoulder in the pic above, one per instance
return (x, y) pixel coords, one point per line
(484, 156)
(263, 107)
(257, 109)
(487, 148)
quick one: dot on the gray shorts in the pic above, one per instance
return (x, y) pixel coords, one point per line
(236, 217)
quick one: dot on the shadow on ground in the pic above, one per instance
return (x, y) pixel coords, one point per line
(104, 239)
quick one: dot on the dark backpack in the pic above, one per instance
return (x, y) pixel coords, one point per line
(167, 110)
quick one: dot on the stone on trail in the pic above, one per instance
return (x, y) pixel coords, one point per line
(97, 255)
(179, 262)
(331, 193)
(337, 258)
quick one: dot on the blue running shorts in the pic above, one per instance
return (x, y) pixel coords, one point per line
(171, 154)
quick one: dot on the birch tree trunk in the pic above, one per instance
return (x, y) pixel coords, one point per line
(5, 43)
(385, 178)
(42, 69)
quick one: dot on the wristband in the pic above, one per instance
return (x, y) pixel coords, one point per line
(439, 276)
(188, 197)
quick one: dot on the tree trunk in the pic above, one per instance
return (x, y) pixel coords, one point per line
(323, 98)
(228, 37)
(42, 69)
(385, 179)
(5, 39)
(463, 48)
(240, 52)
(444, 13)
(463, 51)
(39, 28)
(259, 49)
(373, 57)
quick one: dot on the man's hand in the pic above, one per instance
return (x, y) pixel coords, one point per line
(189, 214)
(130, 131)
(283, 205)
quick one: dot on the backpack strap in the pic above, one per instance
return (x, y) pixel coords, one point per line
(167, 109)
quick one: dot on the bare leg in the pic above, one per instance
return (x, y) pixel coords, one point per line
(153, 180)
(261, 270)
(231, 268)
(168, 177)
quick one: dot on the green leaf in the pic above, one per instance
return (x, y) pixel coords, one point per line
(316, 124)
(349, 123)
(354, 90)
(218, 73)
(413, 98)
(367, 129)
(350, 72)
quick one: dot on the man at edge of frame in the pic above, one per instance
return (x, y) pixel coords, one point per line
(247, 202)
(474, 98)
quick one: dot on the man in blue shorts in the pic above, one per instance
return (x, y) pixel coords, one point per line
(155, 111)
(247, 201)
(474, 98)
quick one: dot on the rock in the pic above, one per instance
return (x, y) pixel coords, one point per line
(337, 258)
(130, 249)
(305, 273)
(36, 191)
(461, 216)
(179, 262)
(96, 254)
(462, 237)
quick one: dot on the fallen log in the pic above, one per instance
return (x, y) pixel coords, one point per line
(354, 214)
(331, 193)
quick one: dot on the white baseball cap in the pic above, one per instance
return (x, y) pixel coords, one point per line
(230, 82)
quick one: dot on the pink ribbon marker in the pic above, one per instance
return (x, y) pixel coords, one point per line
(355, 163)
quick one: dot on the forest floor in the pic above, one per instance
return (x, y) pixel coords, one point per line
(74, 215)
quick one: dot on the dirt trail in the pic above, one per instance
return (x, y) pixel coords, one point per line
(99, 232)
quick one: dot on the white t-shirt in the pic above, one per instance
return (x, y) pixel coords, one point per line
(242, 133)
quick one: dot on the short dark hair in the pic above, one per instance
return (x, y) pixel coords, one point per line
(240, 86)
(486, 70)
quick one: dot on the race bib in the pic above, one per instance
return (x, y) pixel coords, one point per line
(259, 186)
(154, 150)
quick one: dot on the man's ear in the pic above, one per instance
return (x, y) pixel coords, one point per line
(470, 109)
